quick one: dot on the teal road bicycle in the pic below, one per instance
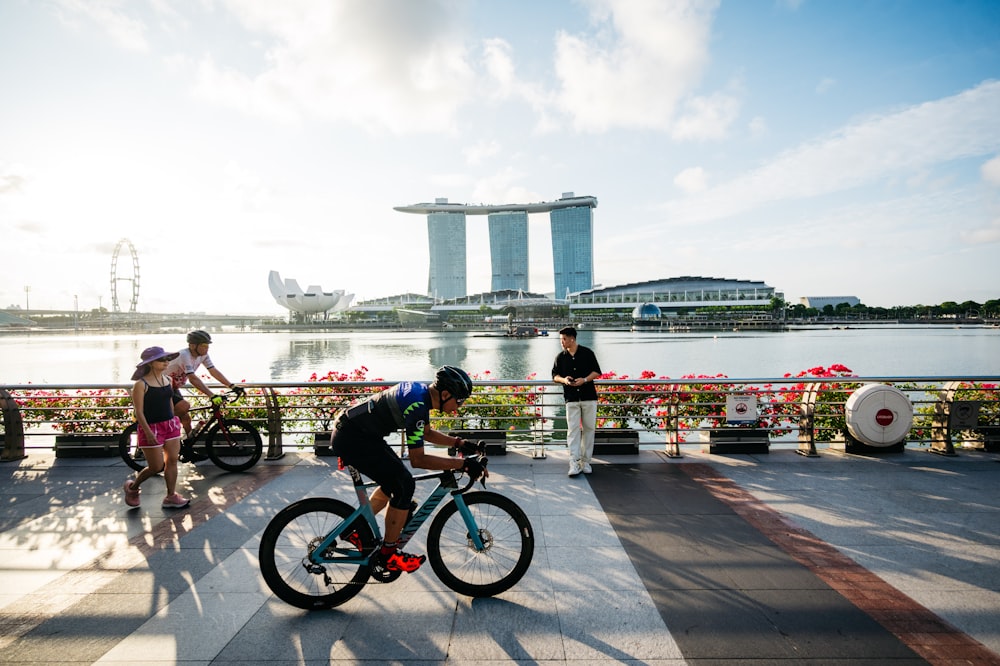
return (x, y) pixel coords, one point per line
(320, 552)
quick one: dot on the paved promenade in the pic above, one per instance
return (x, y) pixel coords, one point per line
(738, 559)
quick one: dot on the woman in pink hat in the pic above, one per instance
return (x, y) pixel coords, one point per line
(159, 435)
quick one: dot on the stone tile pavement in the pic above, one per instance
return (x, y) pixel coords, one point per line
(84, 579)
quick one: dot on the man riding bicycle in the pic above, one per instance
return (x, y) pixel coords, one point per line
(184, 368)
(359, 439)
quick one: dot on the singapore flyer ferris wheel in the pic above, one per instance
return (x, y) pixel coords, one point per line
(128, 275)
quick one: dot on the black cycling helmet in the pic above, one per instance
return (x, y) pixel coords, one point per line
(199, 338)
(455, 381)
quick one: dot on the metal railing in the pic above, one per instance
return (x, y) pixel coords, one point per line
(670, 413)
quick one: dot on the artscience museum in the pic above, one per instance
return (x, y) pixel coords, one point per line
(312, 301)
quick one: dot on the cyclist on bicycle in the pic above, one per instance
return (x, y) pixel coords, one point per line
(359, 439)
(184, 368)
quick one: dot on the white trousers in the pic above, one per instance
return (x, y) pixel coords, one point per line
(581, 420)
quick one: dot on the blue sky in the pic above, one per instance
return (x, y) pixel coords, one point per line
(833, 147)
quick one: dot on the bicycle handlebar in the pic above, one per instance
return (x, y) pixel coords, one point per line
(483, 460)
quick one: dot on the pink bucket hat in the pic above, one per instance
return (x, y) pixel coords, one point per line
(149, 355)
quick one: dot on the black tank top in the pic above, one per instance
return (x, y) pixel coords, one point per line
(157, 405)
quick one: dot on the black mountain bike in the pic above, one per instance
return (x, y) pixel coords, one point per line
(320, 552)
(232, 444)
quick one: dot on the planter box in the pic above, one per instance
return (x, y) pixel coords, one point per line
(86, 445)
(616, 441)
(321, 444)
(496, 440)
(738, 440)
(991, 438)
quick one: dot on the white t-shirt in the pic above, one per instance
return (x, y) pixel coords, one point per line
(184, 365)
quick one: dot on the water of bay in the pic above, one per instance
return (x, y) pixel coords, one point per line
(876, 351)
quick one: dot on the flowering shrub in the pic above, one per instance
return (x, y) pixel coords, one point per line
(828, 415)
(512, 409)
(700, 405)
(623, 406)
(314, 407)
(83, 411)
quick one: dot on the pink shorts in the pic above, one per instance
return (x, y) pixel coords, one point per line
(163, 431)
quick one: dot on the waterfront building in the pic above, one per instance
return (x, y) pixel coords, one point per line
(571, 219)
(820, 302)
(509, 250)
(446, 241)
(572, 249)
(674, 297)
(312, 300)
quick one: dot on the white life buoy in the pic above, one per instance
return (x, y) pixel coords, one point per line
(878, 415)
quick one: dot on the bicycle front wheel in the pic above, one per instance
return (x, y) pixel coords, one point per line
(292, 536)
(505, 532)
(234, 445)
(128, 448)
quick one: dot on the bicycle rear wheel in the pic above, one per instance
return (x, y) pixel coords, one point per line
(128, 448)
(506, 533)
(291, 537)
(234, 445)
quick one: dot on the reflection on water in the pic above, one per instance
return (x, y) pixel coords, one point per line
(302, 358)
(293, 357)
(451, 354)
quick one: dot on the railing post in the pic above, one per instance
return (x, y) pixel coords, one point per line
(538, 452)
(807, 415)
(275, 450)
(941, 442)
(13, 429)
(670, 431)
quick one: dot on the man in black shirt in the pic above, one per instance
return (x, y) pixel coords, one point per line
(576, 368)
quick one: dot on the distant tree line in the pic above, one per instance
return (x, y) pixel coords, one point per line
(947, 310)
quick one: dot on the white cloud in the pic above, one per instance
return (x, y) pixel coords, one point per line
(503, 187)
(706, 117)
(757, 126)
(500, 66)
(991, 171)
(384, 66)
(693, 179)
(955, 127)
(13, 178)
(480, 151)
(634, 71)
(983, 235)
(825, 86)
(109, 15)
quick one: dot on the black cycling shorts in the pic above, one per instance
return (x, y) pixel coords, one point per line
(374, 458)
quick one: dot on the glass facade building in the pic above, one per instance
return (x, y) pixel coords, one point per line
(446, 241)
(509, 250)
(572, 223)
(572, 249)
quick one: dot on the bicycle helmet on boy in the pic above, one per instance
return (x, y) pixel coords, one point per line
(199, 338)
(453, 380)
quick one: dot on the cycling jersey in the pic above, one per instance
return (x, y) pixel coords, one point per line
(186, 364)
(359, 437)
(406, 406)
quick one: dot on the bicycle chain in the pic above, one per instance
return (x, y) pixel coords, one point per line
(373, 576)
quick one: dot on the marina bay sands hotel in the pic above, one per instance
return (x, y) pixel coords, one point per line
(571, 220)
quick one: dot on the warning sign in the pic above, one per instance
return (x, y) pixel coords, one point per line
(741, 408)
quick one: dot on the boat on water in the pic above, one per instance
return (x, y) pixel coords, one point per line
(520, 332)
(526, 332)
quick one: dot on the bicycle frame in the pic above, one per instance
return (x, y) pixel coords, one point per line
(447, 485)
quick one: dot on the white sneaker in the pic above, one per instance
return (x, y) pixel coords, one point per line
(586, 468)
(574, 469)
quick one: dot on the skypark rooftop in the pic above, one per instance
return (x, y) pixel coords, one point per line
(442, 206)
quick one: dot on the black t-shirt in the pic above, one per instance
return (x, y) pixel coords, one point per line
(576, 366)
